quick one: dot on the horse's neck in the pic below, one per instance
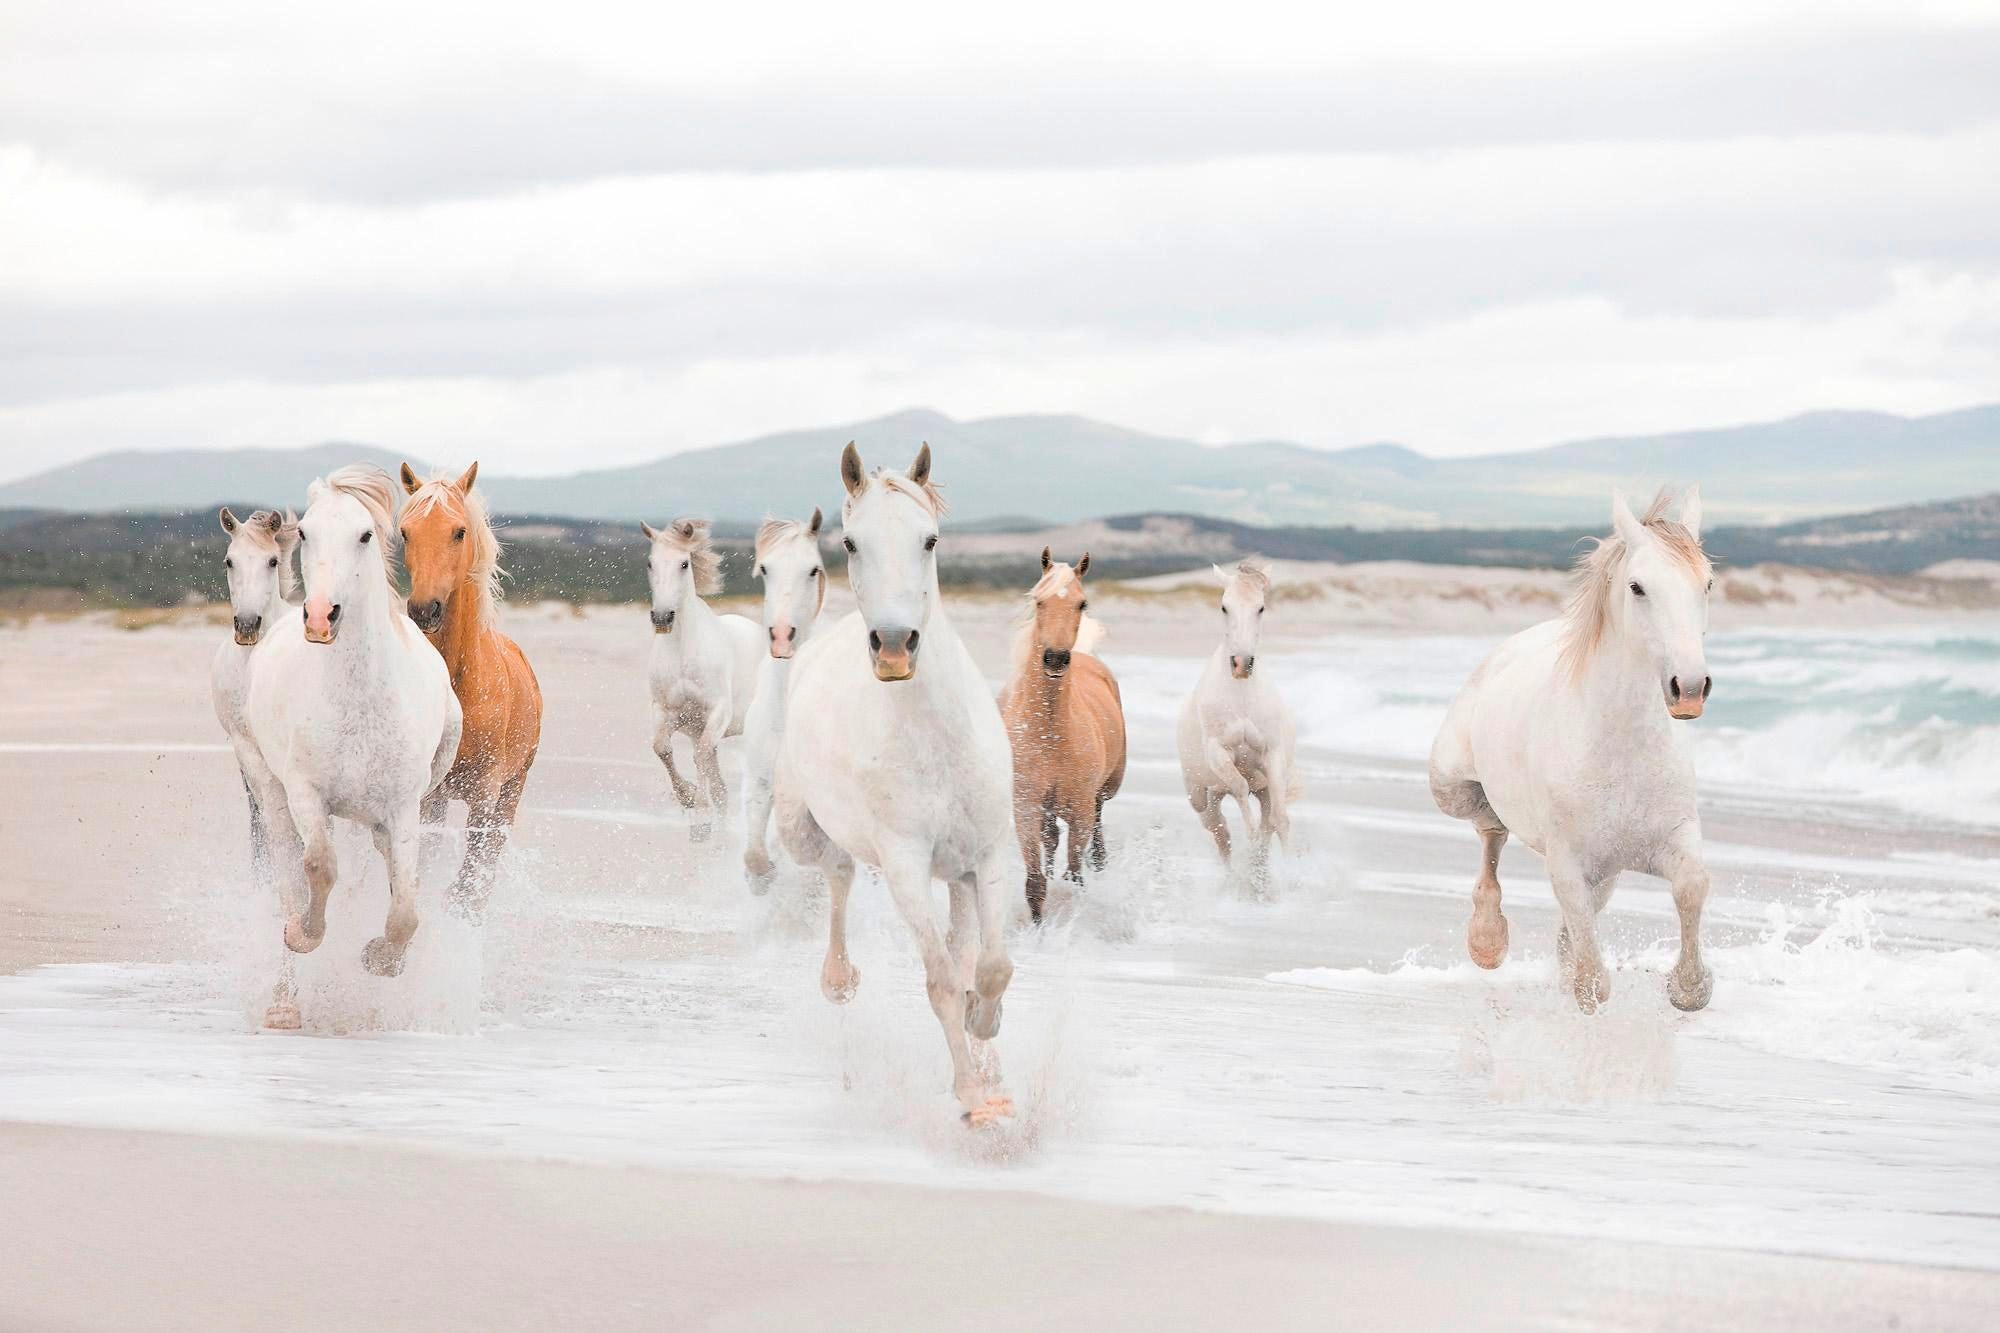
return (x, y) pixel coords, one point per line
(466, 619)
(1038, 693)
(699, 631)
(366, 646)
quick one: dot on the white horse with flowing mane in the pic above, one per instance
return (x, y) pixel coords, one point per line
(794, 578)
(262, 584)
(894, 754)
(704, 665)
(1236, 734)
(355, 718)
(1565, 737)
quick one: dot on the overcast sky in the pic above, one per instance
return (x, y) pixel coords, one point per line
(559, 235)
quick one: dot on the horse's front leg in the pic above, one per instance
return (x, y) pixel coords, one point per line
(1082, 832)
(1582, 963)
(708, 767)
(664, 729)
(759, 760)
(909, 876)
(1034, 828)
(305, 929)
(397, 840)
(1222, 762)
(1690, 984)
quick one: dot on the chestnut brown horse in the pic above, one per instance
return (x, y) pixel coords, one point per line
(1066, 724)
(454, 564)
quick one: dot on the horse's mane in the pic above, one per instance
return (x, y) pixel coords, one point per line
(1255, 571)
(371, 488)
(1598, 571)
(691, 535)
(486, 573)
(1055, 582)
(924, 493)
(775, 530)
(277, 533)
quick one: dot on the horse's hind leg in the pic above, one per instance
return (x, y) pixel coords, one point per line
(1098, 859)
(708, 767)
(1082, 832)
(398, 842)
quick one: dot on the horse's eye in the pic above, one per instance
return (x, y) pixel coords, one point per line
(229, 563)
(760, 571)
(817, 572)
(930, 542)
(684, 564)
(1710, 587)
(365, 536)
(1083, 606)
(1638, 591)
(458, 536)
(848, 542)
(1260, 610)
(274, 562)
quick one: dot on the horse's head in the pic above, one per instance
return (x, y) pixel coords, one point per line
(794, 581)
(343, 541)
(1656, 596)
(1060, 602)
(681, 564)
(889, 525)
(447, 543)
(259, 568)
(1244, 590)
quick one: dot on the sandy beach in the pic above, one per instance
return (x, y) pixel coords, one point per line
(623, 1103)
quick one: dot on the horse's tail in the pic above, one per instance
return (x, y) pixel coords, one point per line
(1089, 633)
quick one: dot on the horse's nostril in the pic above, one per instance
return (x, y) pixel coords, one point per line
(1707, 684)
(1674, 687)
(874, 641)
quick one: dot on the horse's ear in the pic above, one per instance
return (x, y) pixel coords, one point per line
(1046, 561)
(465, 482)
(647, 528)
(920, 471)
(1691, 512)
(851, 474)
(288, 532)
(1624, 522)
(1221, 575)
(1083, 565)
(410, 481)
(228, 521)
(272, 520)
(812, 528)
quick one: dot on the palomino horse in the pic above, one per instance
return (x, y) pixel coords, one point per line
(1236, 735)
(704, 667)
(894, 754)
(454, 563)
(1067, 726)
(794, 578)
(262, 583)
(1565, 737)
(355, 718)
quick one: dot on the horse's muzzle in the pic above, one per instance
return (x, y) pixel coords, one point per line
(663, 622)
(1686, 705)
(1055, 663)
(784, 641)
(322, 623)
(249, 629)
(894, 652)
(428, 615)
(1242, 667)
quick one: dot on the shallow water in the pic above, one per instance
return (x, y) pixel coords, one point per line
(1322, 1049)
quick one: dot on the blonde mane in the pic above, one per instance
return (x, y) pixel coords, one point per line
(1599, 570)
(485, 574)
(924, 493)
(370, 487)
(774, 532)
(1056, 581)
(1254, 571)
(691, 535)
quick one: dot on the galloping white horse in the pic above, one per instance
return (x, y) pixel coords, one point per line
(261, 584)
(1236, 734)
(354, 718)
(704, 667)
(794, 578)
(1565, 737)
(894, 754)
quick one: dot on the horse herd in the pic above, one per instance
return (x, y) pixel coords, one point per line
(877, 740)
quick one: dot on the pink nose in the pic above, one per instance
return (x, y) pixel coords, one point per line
(784, 638)
(321, 617)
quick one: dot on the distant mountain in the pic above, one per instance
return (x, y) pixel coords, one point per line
(1066, 468)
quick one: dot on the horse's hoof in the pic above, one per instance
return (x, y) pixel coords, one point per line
(383, 958)
(296, 938)
(1690, 995)
(760, 881)
(1592, 990)
(989, 1112)
(282, 1018)
(839, 981)
(982, 1017)
(1486, 941)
